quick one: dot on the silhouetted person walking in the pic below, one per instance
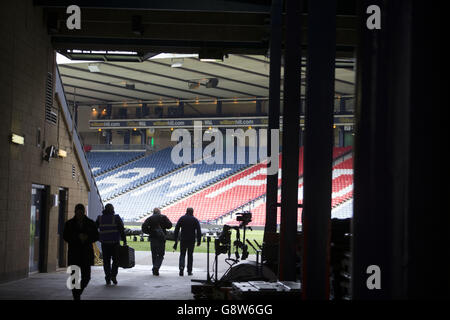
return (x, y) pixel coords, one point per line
(190, 231)
(111, 232)
(80, 233)
(155, 226)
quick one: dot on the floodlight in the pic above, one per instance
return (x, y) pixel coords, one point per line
(93, 68)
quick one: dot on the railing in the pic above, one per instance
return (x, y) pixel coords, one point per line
(95, 204)
(122, 147)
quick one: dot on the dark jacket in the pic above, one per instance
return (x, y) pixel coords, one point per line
(154, 222)
(190, 229)
(111, 228)
(80, 253)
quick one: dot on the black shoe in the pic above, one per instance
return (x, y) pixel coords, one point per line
(108, 281)
(189, 273)
(76, 295)
(155, 272)
(181, 273)
(114, 280)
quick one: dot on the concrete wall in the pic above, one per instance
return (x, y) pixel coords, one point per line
(162, 139)
(84, 115)
(93, 137)
(26, 55)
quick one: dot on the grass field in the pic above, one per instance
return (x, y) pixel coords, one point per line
(250, 235)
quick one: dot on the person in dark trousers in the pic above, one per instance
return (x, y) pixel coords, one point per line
(155, 226)
(190, 231)
(80, 233)
(112, 231)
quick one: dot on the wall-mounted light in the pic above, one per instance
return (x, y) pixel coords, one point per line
(99, 129)
(134, 129)
(15, 138)
(62, 153)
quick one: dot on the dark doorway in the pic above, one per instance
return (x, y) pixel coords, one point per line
(62, 217)
(38, 228)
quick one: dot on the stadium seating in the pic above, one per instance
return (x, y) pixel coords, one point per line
(143, 196)
(249, 185)
(102, 162)
(137, 173)
(341, 202)
(342, 186)
(223, 196)
(213, 190)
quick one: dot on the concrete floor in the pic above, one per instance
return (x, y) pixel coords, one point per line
(134, 284)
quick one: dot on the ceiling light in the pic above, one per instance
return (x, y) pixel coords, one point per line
(93, 68)
(177, 64)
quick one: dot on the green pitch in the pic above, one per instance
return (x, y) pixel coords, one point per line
(250, 235)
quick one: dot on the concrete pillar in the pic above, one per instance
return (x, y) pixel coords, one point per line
(274, 110)
(291, 117)
(318, 149)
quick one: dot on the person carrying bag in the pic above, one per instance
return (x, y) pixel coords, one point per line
(111, 230)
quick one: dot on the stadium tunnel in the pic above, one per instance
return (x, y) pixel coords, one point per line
(136, 70)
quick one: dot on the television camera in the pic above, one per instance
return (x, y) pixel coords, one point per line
(222, 243)
(239, 269)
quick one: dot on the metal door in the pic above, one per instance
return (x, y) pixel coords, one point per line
(37, 228)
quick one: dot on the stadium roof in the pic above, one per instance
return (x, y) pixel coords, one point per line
(179, 77)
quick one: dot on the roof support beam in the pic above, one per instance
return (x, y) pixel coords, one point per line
(212, 75)
(127, 79)
(177, 79)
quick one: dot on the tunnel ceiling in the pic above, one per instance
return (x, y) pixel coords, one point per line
(211, 26)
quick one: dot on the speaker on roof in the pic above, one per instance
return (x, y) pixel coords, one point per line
(212, 83)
